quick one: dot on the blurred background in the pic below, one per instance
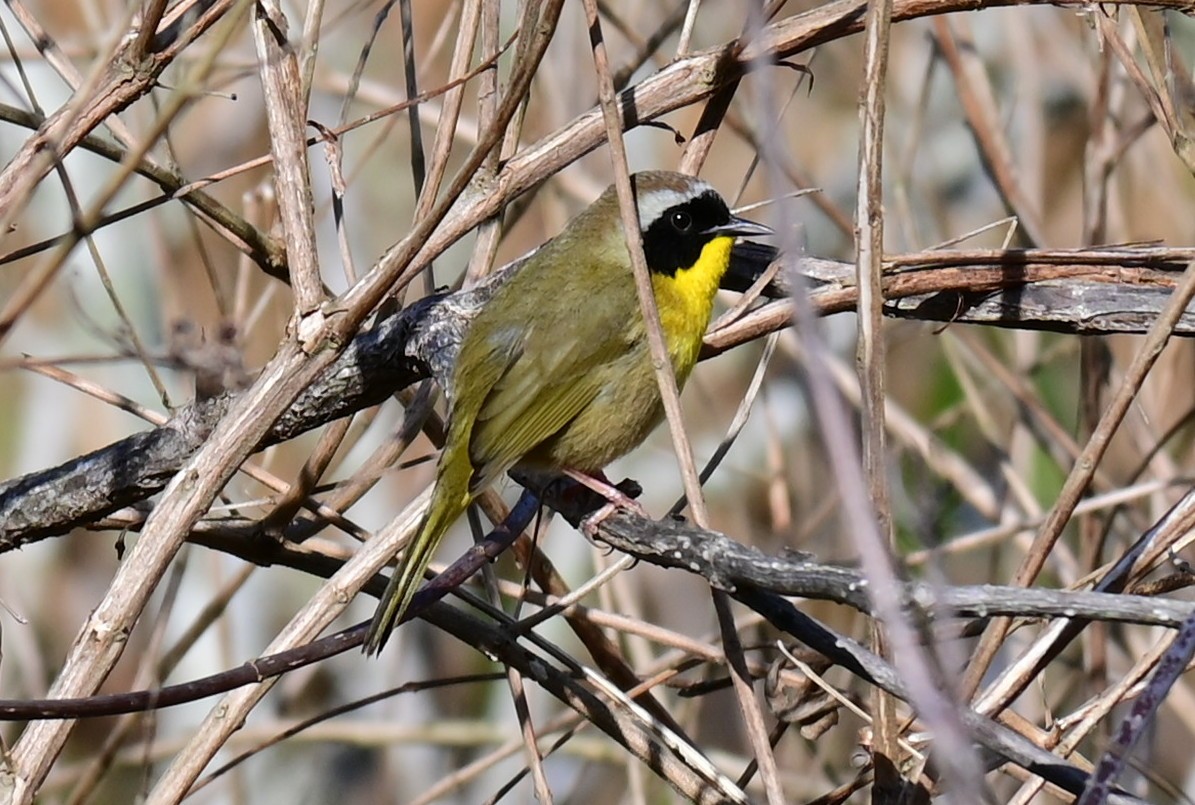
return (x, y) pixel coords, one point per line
(995, 402)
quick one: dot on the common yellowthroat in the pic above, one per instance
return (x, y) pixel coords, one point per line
(555, 372)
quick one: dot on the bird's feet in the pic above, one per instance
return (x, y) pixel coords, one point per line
(614, 496)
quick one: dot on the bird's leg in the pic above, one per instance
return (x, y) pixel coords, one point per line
(599, 483)
(615, 498)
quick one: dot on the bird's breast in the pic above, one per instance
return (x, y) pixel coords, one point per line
(628, 407)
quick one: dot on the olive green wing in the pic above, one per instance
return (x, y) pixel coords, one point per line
(551, 381)
(559, 324)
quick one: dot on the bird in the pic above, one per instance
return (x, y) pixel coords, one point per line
(555, 372)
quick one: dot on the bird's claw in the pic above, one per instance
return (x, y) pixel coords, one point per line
(591, 523)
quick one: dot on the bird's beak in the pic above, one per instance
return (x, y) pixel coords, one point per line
(739, 227)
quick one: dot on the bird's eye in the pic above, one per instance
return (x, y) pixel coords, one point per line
(681, 221)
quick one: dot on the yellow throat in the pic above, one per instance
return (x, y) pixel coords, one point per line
(686, 299)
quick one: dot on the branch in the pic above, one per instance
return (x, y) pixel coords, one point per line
(755, 579)
(738, 568)
(745, 572)
(1080, 291)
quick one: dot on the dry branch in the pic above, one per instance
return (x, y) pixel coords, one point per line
(754, 578)
(1104, 290)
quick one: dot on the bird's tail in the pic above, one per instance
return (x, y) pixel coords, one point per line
(449, 499)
